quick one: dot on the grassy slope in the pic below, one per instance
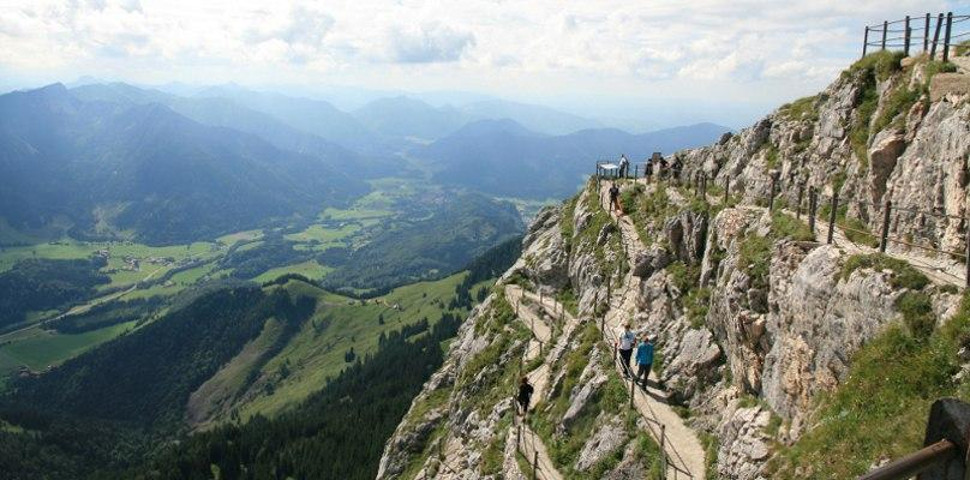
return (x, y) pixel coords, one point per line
(316, 352)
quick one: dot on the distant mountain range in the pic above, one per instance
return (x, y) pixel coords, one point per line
(109, 158)
(108, 166)
(502, 157)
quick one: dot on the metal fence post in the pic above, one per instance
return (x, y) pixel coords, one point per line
(835, 208)
(865, 42)
(885, 28)
(885, 226)
(926, 34)
(609, 288)
(636, 172)
(906, 34)
(801, 193)
(811, 209)
(704, 186)
(936, 36)
(946, 39)
(727, 189)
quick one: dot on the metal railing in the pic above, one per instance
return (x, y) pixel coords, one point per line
(944, 456)
(906, 34)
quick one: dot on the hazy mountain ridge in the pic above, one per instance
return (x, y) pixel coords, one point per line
(148, 168)
(506, 159)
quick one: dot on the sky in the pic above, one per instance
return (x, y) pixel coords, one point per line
(637, 63)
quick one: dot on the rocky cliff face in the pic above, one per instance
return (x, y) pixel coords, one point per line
(754, 316)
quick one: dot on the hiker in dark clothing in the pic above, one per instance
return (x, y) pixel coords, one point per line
(677, 167)
(644, 359)
(615, 198)
(625, 344)
(648, 169)
(624, 166)
(525, 395)
(663, 171)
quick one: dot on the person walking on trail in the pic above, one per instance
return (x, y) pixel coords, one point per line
(624, 166)
(644, 359)
(677, 167)
(648, 169)
(615, 198)
(625, 344)
(525, 394)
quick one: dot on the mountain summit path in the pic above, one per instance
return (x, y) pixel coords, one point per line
(686, 453)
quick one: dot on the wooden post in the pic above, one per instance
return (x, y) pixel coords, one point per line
(633, 384)
(774, 191)
(801, 193)
(968, 259)
(885, 28)
(885, 226)
(926, 34)
(906, 35)
(835, 208)
(865, 42)
(811, 209)
(609, 288)
(704, 186)
(535, 462)
(663, 448)
(946, 39)
(936, 36)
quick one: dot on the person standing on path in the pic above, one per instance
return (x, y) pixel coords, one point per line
(615, 198)
(624, 166)
(644, 359)
(525, 395)
(625, 344)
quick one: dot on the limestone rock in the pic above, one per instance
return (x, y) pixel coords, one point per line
(603, 442)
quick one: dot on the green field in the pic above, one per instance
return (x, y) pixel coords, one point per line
(325, 236)
(309, 269)
(37, 348)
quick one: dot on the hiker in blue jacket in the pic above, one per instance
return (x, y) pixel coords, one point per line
(644, 359)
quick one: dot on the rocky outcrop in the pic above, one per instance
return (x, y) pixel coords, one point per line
(752, 325)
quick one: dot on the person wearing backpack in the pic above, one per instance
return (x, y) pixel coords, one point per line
(644, 360)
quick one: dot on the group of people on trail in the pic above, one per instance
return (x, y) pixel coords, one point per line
(656, 162)
(644, 354)
(628, 340)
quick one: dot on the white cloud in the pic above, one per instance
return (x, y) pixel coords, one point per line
(428, 43)
(770, 47)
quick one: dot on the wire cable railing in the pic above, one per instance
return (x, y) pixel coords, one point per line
(834, 211)
(909, 31)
